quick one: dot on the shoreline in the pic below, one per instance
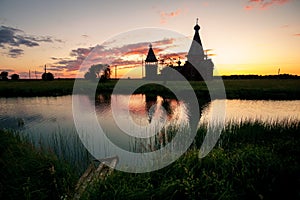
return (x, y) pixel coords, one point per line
(251, 157)
(247, 89)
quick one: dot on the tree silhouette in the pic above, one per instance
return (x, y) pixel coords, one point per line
(106, 75)
(90, 76)
(47, 76)
(99, 71)
(15, 77)
(4, 75)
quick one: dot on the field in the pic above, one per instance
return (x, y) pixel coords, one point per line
(235, 88)
(252, 160)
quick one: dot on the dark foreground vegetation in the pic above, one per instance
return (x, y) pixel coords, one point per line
(263, 88)
(252, 160)
(30, 173)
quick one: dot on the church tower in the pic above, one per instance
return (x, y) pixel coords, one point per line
(151, 65)
(198, 66)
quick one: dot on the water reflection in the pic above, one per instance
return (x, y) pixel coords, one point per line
(48, 114)
(266, 111)
(155, 114)
(43, 117)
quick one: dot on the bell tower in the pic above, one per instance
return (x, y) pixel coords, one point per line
(198, 66)
(151, 64)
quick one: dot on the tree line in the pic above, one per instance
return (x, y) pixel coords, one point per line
(4, 76)
(45, 76)
(95, 72)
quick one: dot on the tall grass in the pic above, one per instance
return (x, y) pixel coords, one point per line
(65, 144)
(252, 160)
(28, 173)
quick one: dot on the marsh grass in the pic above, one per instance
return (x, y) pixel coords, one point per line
(65, 144)
(29, 173)
(252, 160)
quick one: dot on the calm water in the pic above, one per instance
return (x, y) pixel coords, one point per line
(41, 117)
(49, 114)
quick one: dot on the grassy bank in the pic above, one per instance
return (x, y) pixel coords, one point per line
(235, 89)
(28, 173)
(251, 160)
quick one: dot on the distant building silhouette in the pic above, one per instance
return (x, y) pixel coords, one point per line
(47, 76)
(151, 64)
(197, 67)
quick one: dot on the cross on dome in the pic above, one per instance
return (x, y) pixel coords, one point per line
(197, 27)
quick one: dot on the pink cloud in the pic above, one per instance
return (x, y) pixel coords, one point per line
(256, 1)
(264, 4)
(164, 16)
(248, 7)
(205, 3)
(113, 56)
(284, 26)
(297, 34)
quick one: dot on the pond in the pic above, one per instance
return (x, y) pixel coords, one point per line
(52, 114)
(49, 121)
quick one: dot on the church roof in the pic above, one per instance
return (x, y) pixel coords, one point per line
(151, 56)
(196, 35)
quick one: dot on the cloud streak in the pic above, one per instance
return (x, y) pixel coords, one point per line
(120, 56)
(14, 53)
(12, 37)
(264, 4)
(165, 16)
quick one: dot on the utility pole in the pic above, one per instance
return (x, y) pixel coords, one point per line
(142, 68)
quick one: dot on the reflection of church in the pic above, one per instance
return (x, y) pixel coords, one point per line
(197, 67)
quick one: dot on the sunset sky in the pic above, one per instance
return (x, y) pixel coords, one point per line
(245, 36)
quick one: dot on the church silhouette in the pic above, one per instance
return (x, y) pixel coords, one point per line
(197, 67)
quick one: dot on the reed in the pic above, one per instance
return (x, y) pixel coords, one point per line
(29, 173)
(252, 160)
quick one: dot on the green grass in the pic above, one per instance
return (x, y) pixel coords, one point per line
(36, 88)
(66, 145)
(28, 173)
(235, 89)
(252, 160)
(263, 89)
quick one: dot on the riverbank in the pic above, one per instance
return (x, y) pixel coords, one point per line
(30, 173)
(254, 89)
(252, 160)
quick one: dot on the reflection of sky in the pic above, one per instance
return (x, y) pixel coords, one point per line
(142, 113)
(39, 114)
(262, 110)
(47, 115)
